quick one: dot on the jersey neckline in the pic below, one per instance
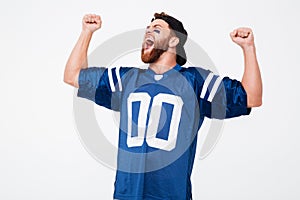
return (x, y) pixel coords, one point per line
(176, 68)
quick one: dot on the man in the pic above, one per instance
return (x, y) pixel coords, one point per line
(162, 107)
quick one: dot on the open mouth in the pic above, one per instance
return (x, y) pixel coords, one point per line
(148, 43)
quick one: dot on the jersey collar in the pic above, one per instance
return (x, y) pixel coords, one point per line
(176, 68)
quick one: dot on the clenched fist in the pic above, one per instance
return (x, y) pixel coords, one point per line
(91, 22)
(243, 37)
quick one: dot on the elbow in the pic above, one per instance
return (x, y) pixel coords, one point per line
(254, 102)
(257, 104)
(70, 78)
(254, 97)
(70, 81)
(67, 79)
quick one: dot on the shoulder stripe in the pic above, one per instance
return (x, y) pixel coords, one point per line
(205, 85)
(114, 78)
(214, 89)
(111, 80)
(119, 78)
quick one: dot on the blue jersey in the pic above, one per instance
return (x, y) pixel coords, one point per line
(160, 116)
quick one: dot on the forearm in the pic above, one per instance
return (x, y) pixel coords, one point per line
(77, 59)
(251, 80)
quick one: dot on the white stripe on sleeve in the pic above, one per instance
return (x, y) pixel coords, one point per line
(111, 80)
(119, 78)
(206, 84)
(214, 89)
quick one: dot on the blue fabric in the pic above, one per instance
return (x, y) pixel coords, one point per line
(148, 169)
(88, 82)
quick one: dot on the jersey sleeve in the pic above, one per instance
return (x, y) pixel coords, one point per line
(101, 85)
(222, 97)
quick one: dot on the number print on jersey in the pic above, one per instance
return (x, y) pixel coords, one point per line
(143, 101)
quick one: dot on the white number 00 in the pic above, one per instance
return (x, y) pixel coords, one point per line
(154, 118)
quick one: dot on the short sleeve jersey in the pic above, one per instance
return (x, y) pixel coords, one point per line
(160, 116)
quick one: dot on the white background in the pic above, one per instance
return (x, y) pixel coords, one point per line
(41, 154)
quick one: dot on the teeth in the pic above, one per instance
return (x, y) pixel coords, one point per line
(149, 39)
(149, 42)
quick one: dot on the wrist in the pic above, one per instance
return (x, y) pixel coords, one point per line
(248, 47)
(87, 32)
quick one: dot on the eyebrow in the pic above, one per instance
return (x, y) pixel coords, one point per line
(155, 26)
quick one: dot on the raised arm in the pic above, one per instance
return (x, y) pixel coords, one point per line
(78, 58)
(251, 80)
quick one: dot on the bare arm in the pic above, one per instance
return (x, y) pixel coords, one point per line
(78, 58)
(251, 80)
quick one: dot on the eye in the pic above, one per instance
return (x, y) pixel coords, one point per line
(156, 31)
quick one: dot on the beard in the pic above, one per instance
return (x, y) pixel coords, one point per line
(152, 56)
(156, 52)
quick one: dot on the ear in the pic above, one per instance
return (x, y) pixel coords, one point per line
(173, 42)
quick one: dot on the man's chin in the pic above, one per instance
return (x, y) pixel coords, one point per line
(146, 55)
(145, 60)
(151, 56)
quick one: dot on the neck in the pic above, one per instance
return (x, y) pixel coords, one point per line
(165, 62)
